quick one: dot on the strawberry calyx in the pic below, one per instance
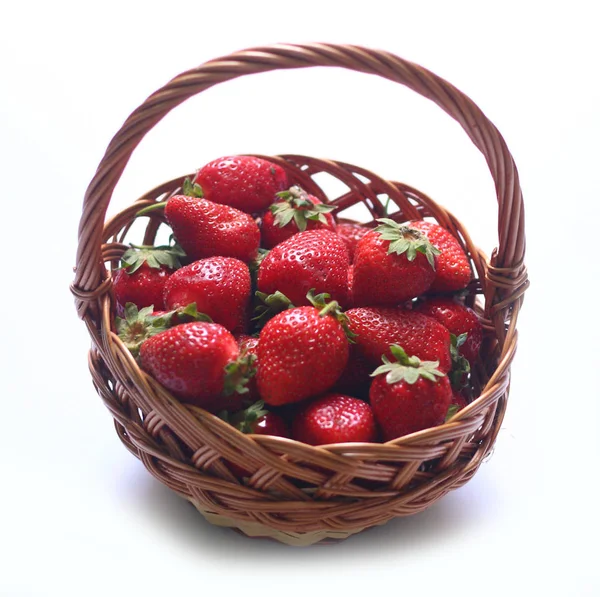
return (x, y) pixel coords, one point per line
(294, 204)
(155, 257)
(244, 420)
(326, 307)
(269, 305)
(460, 365)
(406, 240)
(408, 369)
(238, 373)
(139, 325)
(192, 189)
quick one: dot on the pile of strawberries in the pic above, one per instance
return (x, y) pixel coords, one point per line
(267, 312)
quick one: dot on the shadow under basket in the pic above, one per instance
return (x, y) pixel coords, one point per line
(296, 493)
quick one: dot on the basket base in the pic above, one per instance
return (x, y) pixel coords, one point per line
(258, 530)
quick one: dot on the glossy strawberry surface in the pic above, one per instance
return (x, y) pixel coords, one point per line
(220, 287)
(247, 183)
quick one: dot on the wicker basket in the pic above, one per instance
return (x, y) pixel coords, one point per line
(299, 494)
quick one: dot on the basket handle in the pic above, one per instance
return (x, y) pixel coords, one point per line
(506, 276)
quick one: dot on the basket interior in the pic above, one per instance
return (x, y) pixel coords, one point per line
(292, 486)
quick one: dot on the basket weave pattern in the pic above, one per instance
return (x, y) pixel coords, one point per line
(296, 493)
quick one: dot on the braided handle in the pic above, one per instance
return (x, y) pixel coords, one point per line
(506, 273)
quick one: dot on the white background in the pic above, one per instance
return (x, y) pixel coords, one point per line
(78, 514)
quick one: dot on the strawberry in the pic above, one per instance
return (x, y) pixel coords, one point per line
(351, 233)
(312, 259)
(376, 328)
(141, 278)
(453, 271)
(333, 419)
(408, 394)
(294, 211)
(392, 264)
(256, 419)
(249, 346)
(459, 320)
(198, 362)
(301, 352)
(355, 380)
(220, 287)
(207, 229)
(244, 182)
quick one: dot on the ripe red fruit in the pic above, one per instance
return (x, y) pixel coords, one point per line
(459, 401)
(376, 328)
(453, 271)
(198, 362)
(244, 182)
(351, 233)
(301, 353)
(207, 229)
(220, 287)
(315, 259)
(294, 211)
(142, 276)
(408, 395)
(256, 419)
(392, 264)
(333, 419)
(355, 380)
(459, 320)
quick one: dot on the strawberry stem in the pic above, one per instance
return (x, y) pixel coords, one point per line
(406, 368)
(151, 208)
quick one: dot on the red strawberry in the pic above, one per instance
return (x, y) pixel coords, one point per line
(294, 211)
(220, 287)
(392, 264)
(376, 328)
(453, 271)
(408, 395)
(207, 229)
(198, 362)
(256, 419)
(459, 401)
(244, 182)
(459, 320)
(142, 276)
(249, 346)
(301, 353)
(315, 259)
(334, 419)
(355, 380)
(351, 233)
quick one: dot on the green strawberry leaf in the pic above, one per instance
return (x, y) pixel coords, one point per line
(405, 368)
(155, 257)
(268, 305)
(238, 373)
(460, 365)
(452, 410)
(192, 189)
(295, 205)
(320, 301)
(244, 419)
(137, 326)
(405, 240)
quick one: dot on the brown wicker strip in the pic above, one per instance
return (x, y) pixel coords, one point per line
(297, 493)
